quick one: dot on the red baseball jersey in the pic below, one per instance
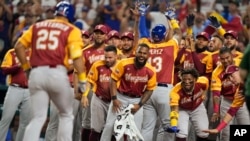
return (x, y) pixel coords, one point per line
(238, 100)
(92, 54)
(53, 42)
(178, 97)
(132, 80)
(238, 55)
(11, 67)
(215, 59)
(221, 86)
(162, 56)
(206, 58)
(99, 77)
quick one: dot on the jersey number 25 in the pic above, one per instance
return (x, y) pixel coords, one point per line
(47, 39)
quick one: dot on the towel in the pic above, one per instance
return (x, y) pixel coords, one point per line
(125, 125)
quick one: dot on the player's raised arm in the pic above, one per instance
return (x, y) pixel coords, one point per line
(143, 32)
(174, 28)
(136, 13)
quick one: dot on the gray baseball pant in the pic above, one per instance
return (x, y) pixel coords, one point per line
(15, 96)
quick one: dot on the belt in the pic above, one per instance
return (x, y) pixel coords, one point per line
(130, 95)
(162, 85)
(17, 85)
(50, 66)
(104, 99)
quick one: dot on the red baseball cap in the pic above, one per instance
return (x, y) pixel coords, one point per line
(101, 28)
(85, 33)
(231, 33)
(113, 33)
(204, 35)
(128, 34)
(230, 70)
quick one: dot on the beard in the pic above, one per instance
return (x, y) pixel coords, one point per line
(232, 47)
(200, 50)
(127, 49)
(139, 64)
(97, 43)
(110, 64)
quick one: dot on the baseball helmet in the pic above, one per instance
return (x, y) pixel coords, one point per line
(158, 33)
(64, 8)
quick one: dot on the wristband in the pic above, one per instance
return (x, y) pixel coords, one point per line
(82, 76)
(113, 97)
(216, 108)
(221, 126)
(174, 118)
(140, 104)
(221, 31)
(174, 24)
(189, 31)
(86, 92)
(25, 66)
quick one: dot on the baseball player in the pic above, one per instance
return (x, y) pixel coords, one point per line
(230, 37)
(127, 45)
(223, 91)
(214, 46)
(190, 58)
(232, 73)
(163, 51)
(132, 82)
(85, 38)
(52, 43)
(186, 102)
(92, 53)
(99, 78)
(114, 39)
(17, 95)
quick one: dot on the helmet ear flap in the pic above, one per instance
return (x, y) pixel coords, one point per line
(158, 33)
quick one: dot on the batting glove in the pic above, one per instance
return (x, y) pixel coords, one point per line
(170, 13)
(190, 20)
(173, 129)
(82, 86)
(214, 22)
(143, 8)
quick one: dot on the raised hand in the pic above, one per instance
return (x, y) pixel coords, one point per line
(170, 13)
(142, 7)
(135, 11)
(214, 22)
(190, 20)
